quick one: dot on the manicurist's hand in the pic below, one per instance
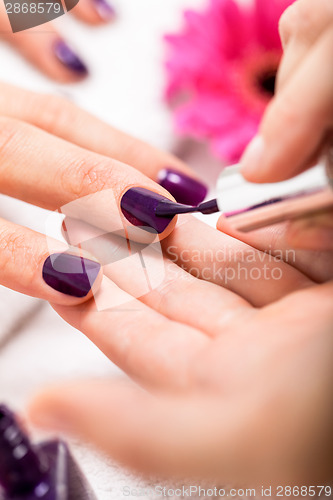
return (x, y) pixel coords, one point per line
(233, 346)
(48, 50)
(298, 123)
(58, 157)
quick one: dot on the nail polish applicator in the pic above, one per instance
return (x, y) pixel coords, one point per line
(249, 206)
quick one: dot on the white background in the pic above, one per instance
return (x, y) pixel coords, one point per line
(125, 59)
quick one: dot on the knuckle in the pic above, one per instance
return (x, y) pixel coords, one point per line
(83, 176)
(287, 23)
(314, 16)
(306, 19)
(16, 253)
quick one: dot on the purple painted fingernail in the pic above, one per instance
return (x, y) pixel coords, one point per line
(104, 9)
(183, 188)
(70, 274)
(139, 205)
(69, 58)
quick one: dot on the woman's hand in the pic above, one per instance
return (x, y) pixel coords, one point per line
(240, 374)
(298, 123)
(44, 47)
(58, 157)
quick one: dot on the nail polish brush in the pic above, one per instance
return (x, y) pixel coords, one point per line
(249, 206)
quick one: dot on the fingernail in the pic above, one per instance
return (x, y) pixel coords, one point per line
(70, 274)
(139, 206)
(183, 188)
(251, 162)
(69, 58)
(104, 9)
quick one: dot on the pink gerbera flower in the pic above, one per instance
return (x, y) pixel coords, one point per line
(221, 72)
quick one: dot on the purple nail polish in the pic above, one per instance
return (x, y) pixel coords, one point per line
(169, 208)
(139, 205)
(31, 472)
(70, 274)
(69, 58)
(183, 188)
(104, 9)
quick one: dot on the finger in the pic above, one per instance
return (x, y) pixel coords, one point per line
(278, 241)
(313, 233)
(150, 348)
(156, 442)
(220, 434)
(258, 277)
(305, 22)
(145, 274)
(94, 11)
(79, 183)
(246, 438)
(244, 274)
(65, 120)
(184, 298)
(301, 25)
(45, 49)
(45, 268)
(296, 122)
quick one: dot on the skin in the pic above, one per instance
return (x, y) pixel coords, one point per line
(32, 124)
(236, 379)
(298, 123)
(37, 49)
(233, 377)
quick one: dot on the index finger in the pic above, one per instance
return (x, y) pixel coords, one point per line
(54, 174)
(67, 121)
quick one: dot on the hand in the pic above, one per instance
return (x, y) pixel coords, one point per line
(44, 47)
(298, 123)
(240, 374)
(53, 155)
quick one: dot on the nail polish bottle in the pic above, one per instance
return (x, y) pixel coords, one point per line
(37, 472)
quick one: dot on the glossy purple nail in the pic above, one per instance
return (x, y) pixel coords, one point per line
(139, 207)
(183, 188)
(104, 9)
(69, 58)
(70, 274)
